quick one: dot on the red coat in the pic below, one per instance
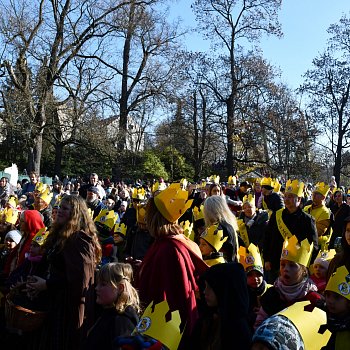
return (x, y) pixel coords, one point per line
(170, 271)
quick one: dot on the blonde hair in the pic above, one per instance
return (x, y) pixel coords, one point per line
(216, 211)
(118, 274)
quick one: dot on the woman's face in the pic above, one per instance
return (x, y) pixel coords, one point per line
(290, 272)
(215, 191)
(210, 296)
(347, 233)
(338, 197)
(204, 247)
(106, 294)
(64, 213)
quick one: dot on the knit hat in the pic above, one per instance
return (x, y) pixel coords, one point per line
(93, 189)
(14, 235)
(321, 262)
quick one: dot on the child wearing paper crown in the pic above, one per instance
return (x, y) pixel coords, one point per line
(210, 243)
(120, 303)
(338, 309)
(250, 259)
(293, 283)
(320, 267)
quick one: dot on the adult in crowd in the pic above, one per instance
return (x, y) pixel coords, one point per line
(28, 188)
(284, 223)
(341, 211)
(93, 201)
(93, 181)
(271, 201)
(72, 250)
(216, 211)
(172, 266)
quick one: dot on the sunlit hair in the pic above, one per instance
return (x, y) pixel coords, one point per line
(157, 224)
(80, 220)
(211, 189)
(216, 211)
(118, 274)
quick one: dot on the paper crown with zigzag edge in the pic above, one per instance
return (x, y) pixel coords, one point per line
(45, 195)
(250, 258)
(106, 218)
(172, 202)
(249, 199)
(198, 213)
(297, 252)
(154, 324)
(214, 236)
(158, 186)
(295, 187)
(203, 184)
(308, 323)
(187, 226)
(141, 214)
(41, 236)
(120, 229)
(268, 181)
(322, 188)
(12, 201)
(232, 180)
(138, 193)
(339, 282)
(277, 186)
(10, 215)
(327, 255)
(215, 179)
(40, 187)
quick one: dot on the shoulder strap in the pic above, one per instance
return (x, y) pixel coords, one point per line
(284, 231)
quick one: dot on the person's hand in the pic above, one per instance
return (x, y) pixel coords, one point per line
(35, 285)
(267, 266)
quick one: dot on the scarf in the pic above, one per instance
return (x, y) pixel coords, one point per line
(296, 291)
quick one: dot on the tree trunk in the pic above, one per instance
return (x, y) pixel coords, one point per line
(58, 158)
(337, 162)
(230, 135)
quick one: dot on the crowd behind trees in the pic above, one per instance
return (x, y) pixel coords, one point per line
(179, 265)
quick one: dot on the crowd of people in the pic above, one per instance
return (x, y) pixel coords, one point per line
(243, 264)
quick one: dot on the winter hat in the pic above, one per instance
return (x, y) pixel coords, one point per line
(14, 235)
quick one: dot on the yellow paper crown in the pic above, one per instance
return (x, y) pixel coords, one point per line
(268, 181)
(40, 236)
(327, 255)
(106, 218)
(277, 186)
(141, 214)
(257, 181)
(249, 199)
(40, 187)
(172, 202)
(46, 195)
(232, 180)
(308, 324)
(299, 253)
(203, 184)
(198, 213)
(138, 193)
(214, 237)
(339, 282)
(158, 186)
(12, 201)
(215, 179)
(10, 215)
(120, 229)
(155, 325)
(322, 188)
(295, 187)
(250, 258)
(187, 226)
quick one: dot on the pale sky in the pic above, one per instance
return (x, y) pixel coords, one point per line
(304, 24)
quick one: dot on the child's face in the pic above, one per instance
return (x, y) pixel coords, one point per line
(254, 279)
(34, 249)
(337, 305)
(210, 296)
(106, 294)
(290, 272)
(10, 244)
(204, 247)
(347, 233)
(320, 271)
